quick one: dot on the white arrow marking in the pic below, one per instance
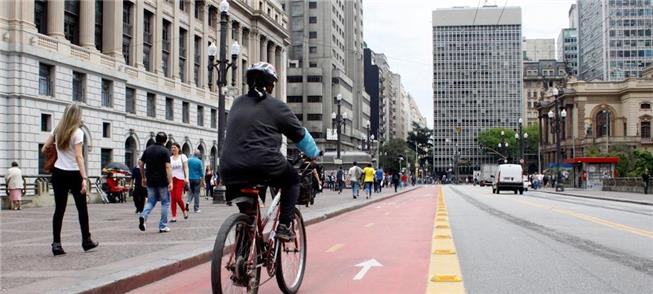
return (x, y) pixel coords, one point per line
(366, 266)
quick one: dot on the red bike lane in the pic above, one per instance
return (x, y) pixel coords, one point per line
(382, 248)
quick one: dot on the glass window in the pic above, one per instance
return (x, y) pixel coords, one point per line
(182, 55)
(106, 156)
(185, 112)
(99, 16)
(312, 19)
(314, 116)
(295, 99)
(107, 93)
(214, 118)
(106, 130)
(41, 16)
(200, 115)
(315, 99)
(151, 104)
(71, 21)
(130, 100)
(165, 48)
(127, 33)
(147, 40)
(46, 122)
(170, 108)
(602, 124)
(645, 130)
(197, 65)
(79, 81)
(645, 106)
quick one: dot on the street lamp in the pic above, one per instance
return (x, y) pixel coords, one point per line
(521, 137)
(557, 117)
(368, 136)
(339, 121)
(606, 115)
(503, 147)
(223, 65)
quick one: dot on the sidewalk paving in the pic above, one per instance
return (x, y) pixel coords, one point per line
(126, 258)
(637, 198)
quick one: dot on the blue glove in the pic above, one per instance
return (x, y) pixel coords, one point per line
(308, 146)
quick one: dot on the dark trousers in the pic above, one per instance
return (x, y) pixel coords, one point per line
(64, 182)
(377, 186)
(646, 187)
(140, 195)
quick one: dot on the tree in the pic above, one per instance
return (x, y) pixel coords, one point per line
(390, 153)
(632, 163)
(490, 139)
(422, 138)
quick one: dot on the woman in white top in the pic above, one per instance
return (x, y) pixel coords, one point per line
(69, 175)
(179, 164)
(15, 185)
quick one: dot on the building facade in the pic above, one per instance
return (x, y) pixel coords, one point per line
(326, 60)
(477, 79)
(135, 67)
(538, 49)
(539, 76)
(615, 40)
(568, 49)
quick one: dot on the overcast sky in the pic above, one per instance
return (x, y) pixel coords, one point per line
(402, 29)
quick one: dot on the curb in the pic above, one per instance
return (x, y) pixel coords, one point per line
(603, 198)
(141, 279)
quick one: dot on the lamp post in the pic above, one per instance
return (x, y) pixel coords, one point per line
(557, 116)
(368, 136)
(503, 147)
(521, 137)
(223, 65)
(606, 114)
(339, 120)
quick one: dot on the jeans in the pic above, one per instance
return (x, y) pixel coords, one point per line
(155, 194)
(368, 188)
(355, 189)
(194, 193)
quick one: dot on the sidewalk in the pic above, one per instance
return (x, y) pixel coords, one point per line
(126, 258)
(637, 198)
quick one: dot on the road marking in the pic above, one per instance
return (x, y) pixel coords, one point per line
(445, 275)
(335, 248)
(366, 266)
(369, 225)
(593, 219)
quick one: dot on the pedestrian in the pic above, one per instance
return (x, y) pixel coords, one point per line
(395, 180)
(179, 163)
(340, 179)
(15, 186)
(157, 178)
(583, 179)
(139, 193)
(195, 174)
(355, 173)
(404, 180)
(69, 176)
(208, 181)
(378, 179)
(368, 179)
(646, 177)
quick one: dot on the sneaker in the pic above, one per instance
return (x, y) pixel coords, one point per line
(57, 249)
(173, 220)
(141, 223)
(198, 211)
(187, 206)
(164, 230)
(284, 234)
(89, 244)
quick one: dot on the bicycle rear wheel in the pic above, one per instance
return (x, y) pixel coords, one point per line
(291, 258)
(233, 265)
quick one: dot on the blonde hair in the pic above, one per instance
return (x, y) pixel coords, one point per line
(69, 123)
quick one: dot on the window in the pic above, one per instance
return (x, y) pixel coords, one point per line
(99, 18)
(295, 79)
(199, 7)
(127, 30)
(107, 93)
(165, 49)
(151, 104)
(198, 57)
(235, 29)
(314, 79)
(147, 40)
(106, 130)
(312, 35)
(245, 40)
(185, 112)
(41, 16)
(295, 99)
(645, 106)
(312, 19)
(46, 80)
(314, 116)
(312, 64)
(106, 157)
(182, 55)
(46, 122)
(130, 100)
(200, 115)
(71, 21)
(645, 130)
(214, 118)
(79, 81)
(41, 160)
(603, 124)
(182, 5)
(170, 108)
(213, 17)
(315, 99)
(312, 5)
(312, 49)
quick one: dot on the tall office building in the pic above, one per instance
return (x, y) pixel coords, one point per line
(615, 40)
(568, 49)
(326, 60)
(538, 49)
(573, 16)
(477, 79)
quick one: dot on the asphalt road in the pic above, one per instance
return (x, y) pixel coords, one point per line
(544, 243)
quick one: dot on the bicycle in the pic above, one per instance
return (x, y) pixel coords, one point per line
(245, 243)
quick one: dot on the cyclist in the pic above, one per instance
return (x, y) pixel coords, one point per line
(252, 144)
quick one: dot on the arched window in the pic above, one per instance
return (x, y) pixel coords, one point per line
(130, 152)
(149, 142)
(645, 130)
(186, 149)
(213, 158)
(200, 148)
(603, 126)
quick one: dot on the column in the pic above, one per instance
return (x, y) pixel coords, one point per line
(271, 57)
(263, 50)
(55, 19)
(139, 29)
(254, 46)
(112, 24)
(27, 14)
(87, 24)
(280, 69)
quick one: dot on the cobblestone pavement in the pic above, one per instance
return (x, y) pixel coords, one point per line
(27, 264)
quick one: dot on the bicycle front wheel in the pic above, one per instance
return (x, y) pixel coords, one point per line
(234, 262)
(291, 257)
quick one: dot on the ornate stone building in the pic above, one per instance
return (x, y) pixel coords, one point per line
(135, 67)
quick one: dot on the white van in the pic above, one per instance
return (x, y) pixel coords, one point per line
(508, 177)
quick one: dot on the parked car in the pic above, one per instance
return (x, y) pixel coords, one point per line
(508, 177)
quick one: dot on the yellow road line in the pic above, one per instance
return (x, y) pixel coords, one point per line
(335, 248)
(593, 219)
(445, 275)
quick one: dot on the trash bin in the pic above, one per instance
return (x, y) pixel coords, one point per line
(219, 194)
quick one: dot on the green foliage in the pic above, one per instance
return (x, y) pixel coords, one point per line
(490, 139)
(423, 138)
(632, 163)
(390, 152)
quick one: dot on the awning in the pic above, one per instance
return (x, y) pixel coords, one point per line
(606, 160)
